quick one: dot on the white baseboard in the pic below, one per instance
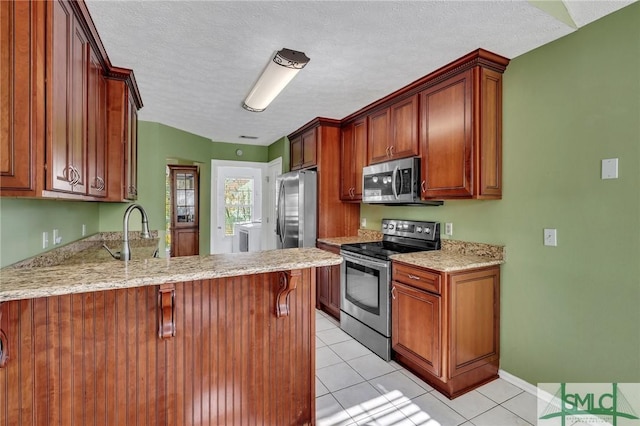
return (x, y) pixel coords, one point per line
(517, 381)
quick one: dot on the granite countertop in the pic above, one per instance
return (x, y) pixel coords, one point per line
(456, 256)
(338, 241)
(27, 283)
(445, 261)
(364, 236)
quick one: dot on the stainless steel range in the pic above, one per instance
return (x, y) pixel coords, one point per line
(365, 282)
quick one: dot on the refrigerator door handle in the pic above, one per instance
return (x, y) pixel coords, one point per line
(280, 223)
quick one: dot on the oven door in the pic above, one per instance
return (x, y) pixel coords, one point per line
(365, 291)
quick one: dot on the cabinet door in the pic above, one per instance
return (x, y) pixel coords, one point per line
(378, 137)
(416, 323)
(475, 319)
(353, 158)
(96, 128)
(489, 151)
(334, 291)
(404, 128)
(309, 158)
(68, 65)
(295, 149)
(131, 150)
(18, 132)
(446, 138)
(322, 287)
(346, 167)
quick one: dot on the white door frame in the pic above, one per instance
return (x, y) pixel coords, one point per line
(215, 164)
(274, 169)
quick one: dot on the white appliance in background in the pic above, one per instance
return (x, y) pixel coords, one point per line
(297, 209)
(247, 237)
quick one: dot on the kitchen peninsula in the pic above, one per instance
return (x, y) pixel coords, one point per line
(226, 339)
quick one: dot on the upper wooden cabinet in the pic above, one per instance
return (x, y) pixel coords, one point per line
(67, 69)
(97, 154)
(353, 158)
(335, 218)
(393, 131)
(22, 106)
(55, 137)
(460, 136)
(303, 150)
(452, 119)
(122, 124)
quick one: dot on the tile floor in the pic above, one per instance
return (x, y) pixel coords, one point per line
(356, 387)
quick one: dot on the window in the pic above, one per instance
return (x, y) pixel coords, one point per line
(238, 202)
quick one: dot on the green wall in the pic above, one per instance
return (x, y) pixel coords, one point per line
(22, 222)
(159, 145)
(569, 313)
(280, 148)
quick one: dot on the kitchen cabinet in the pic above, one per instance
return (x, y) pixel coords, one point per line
(303, 150)
(461, 145)
(335, 218)
(96, 129)
(393, 131)
(67, 66)
(328, 284)
(54, 122)
(446, 326)
(353, 158)
(122, 133)
(21, 120)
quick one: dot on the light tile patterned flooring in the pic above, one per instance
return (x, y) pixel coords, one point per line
(356, 387)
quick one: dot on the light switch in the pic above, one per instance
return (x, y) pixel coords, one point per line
(550, 237)
(610, 168)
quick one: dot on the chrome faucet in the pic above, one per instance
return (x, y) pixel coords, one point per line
(125, 254)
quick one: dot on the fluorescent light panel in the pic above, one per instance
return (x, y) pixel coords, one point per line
(279, 72)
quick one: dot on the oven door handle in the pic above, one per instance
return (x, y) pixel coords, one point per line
(365, 261)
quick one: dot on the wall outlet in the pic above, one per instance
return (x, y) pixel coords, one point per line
(448, 228)
(363, 222)
(57, 239)
(550, 237)
(45, 240)
(84, 229)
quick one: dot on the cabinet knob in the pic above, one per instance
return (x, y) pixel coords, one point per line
(393, 292)
(413, 277)
(423, 186)
(391, 151)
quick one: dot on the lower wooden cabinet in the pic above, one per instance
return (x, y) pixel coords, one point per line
(328, 285)
(449, 335)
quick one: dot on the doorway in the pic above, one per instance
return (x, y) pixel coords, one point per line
(184, 210)
(236, 198)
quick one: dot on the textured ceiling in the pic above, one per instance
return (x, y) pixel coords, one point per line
(195, 61)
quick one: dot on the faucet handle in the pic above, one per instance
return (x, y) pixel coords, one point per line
(117, 255)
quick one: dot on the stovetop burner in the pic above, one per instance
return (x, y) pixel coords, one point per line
(400, 236)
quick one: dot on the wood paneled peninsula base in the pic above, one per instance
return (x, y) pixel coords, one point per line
(220, 348)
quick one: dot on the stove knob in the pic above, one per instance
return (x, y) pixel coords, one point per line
(391, 226)
(419, 229)
(427, 230)
(384, 226)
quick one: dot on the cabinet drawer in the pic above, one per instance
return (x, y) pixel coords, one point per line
(416, 277)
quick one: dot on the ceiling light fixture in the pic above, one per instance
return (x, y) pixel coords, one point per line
(279, 72)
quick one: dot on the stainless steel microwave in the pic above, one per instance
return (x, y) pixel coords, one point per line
(393, 182)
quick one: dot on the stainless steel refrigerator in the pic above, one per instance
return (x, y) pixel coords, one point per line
(297, 209)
